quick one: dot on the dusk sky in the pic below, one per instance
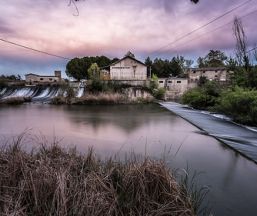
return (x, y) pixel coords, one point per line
(112, 27)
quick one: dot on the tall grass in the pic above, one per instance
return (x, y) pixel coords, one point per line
(55, 181)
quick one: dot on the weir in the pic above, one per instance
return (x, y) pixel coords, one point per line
(36, 93)
(240, 138)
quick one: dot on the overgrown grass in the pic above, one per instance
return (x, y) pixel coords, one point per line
(55, 181)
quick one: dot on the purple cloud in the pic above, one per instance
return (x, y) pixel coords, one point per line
(111, 27)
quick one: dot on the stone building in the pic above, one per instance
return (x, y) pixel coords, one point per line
(220, 74)
(33, 79)
(175, 87)
(128, 68)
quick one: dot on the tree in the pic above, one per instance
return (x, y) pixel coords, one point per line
(241, 45)
(149, 64)
(130, 54)
(231, 63)
(200, 62)
(76, 69)
(94, 72)
(215, 58)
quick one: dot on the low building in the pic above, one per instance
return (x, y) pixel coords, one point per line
(128, 68)
(220, 74)
(178, 85)
(33, 79)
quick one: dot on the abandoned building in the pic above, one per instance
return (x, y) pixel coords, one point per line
(33, 79)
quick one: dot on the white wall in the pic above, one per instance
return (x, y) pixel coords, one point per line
(128, 69)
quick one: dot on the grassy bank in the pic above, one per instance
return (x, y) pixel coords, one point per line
(53, 181)
(100, 98)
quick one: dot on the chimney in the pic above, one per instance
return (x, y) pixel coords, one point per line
(58, 74)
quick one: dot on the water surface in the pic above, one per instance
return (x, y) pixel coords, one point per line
(144, 129)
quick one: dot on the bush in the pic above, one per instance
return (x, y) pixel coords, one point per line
(159, 93)
(203, 97)
(240, 104)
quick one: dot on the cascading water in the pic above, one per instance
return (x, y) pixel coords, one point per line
(80, 92)
(36, 93)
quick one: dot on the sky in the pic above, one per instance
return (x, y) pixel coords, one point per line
(113, 27)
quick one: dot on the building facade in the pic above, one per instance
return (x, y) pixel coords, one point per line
(128, 68)
(38, 79)
(220, 74)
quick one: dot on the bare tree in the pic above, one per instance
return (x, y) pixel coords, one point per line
(241, 44)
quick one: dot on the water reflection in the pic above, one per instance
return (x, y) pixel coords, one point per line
(150, 130)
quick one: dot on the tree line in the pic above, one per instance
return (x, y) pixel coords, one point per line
(77, 68)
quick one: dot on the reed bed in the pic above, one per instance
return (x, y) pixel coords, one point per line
(56, 181)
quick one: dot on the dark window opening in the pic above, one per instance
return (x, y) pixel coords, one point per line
(50, 79)
(41, 78)
(160, 81)
(178, 81)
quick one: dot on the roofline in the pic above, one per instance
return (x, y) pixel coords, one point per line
(40, 75)
(210, 68)
(130, 58)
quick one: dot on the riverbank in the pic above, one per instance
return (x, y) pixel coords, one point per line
(54, 181)
(15, 100)
(101, 99)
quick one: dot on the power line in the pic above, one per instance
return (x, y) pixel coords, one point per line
(253, 49)
(201, 27)
(218, 28)
(32, 49)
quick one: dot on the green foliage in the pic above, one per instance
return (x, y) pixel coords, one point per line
(166, 68)
(202, 97)
(78, 67)
(215, 58)
(240, 104)
(159, 93)
(94, 72)
(10, 77)
(245, 79)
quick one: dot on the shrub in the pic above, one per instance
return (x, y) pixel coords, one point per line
(159, 93)
(240, 104)
(203, 97)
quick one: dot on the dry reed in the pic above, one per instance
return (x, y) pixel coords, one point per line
(55, 181)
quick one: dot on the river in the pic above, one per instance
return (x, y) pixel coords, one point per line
(148, 130)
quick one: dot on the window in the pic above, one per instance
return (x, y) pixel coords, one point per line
(216, 71)
(216, 76)
(160, 81)
(41, 79)
(203, 71)
(50, 79)
(169, 81)
(194, 71)
(178, 81)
